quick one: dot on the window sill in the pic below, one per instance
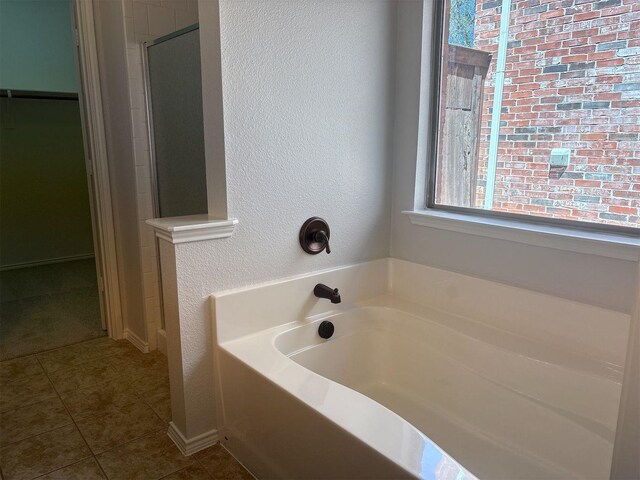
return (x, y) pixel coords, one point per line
(593, 243)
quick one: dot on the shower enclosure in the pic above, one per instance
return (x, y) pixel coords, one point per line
(174, 106)
(173, 93)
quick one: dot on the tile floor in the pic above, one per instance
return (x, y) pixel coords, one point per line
(48, 306)
(95, 410)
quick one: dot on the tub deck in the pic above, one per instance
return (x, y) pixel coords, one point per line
(501, 405)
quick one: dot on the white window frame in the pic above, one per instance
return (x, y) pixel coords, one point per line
(590, 238)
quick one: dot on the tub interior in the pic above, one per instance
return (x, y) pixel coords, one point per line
(479, 394)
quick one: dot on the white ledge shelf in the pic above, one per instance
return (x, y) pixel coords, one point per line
(594, 243)
(192, 228)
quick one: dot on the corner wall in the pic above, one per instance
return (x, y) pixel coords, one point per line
(591, 279)
(308, 98)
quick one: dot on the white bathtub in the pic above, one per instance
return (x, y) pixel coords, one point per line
(404, 390)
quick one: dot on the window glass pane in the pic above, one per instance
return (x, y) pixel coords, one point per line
(540, 109)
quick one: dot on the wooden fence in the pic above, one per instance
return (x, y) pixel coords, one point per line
(463, 88)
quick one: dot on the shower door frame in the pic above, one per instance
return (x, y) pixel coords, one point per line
(149, 109)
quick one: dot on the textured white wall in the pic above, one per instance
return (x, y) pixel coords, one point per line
(308, 95)
(601, 281)
(307, 101)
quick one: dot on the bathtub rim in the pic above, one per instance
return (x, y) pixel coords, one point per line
(289, 375)
(385, 287)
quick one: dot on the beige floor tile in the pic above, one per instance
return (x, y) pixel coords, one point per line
(18, 368)
(194, 472)
(26, 390)
(148, 380)
(25, 422)
(134, 357)
(85, 470)
(147, 458)
(98, 399)
(159, 398)
(115, 428)
(61, 357)
(43, 453)
(88, 374)
(81, 353)
(139, 364)
(107, 348)
(221, 465)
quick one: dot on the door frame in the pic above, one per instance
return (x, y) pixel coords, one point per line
(96, 160)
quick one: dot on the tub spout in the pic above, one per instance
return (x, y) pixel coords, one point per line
(322, 291)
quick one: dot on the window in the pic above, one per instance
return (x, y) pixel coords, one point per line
(538, 111)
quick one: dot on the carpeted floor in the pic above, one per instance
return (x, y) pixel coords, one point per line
(47, 307)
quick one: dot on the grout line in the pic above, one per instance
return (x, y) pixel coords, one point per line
(132, 439)
(58, 469)
(52, 349)
(41, 433)
(95, 459)
(197, 462)
(68, 413)
(122, 445)
(203, 467)
(104, 359)
(148, 434)
(93, 454)
(73, 365)
(140, 396)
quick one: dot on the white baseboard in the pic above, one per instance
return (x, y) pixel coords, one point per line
(136, 341)
(192, 445)
(162, 342)
(49, 261)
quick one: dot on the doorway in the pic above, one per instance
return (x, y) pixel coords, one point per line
(51, 288)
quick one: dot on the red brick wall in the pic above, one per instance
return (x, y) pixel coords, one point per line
(573, 81)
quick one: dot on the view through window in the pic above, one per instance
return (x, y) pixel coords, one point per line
(540, 109)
